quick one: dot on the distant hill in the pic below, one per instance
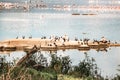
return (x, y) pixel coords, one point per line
(71, 2)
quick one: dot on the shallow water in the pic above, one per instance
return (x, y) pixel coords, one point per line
(47, 24)
(37, 25)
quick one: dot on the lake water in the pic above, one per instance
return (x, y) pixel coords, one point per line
(46, 24)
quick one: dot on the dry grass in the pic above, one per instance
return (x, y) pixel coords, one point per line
(67, 77)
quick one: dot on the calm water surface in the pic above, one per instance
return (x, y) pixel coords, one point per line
(39, 24)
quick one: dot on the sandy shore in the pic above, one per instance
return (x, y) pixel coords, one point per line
(35, 41)
(50, 44)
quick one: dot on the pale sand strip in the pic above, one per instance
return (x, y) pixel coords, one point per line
(49, 43)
